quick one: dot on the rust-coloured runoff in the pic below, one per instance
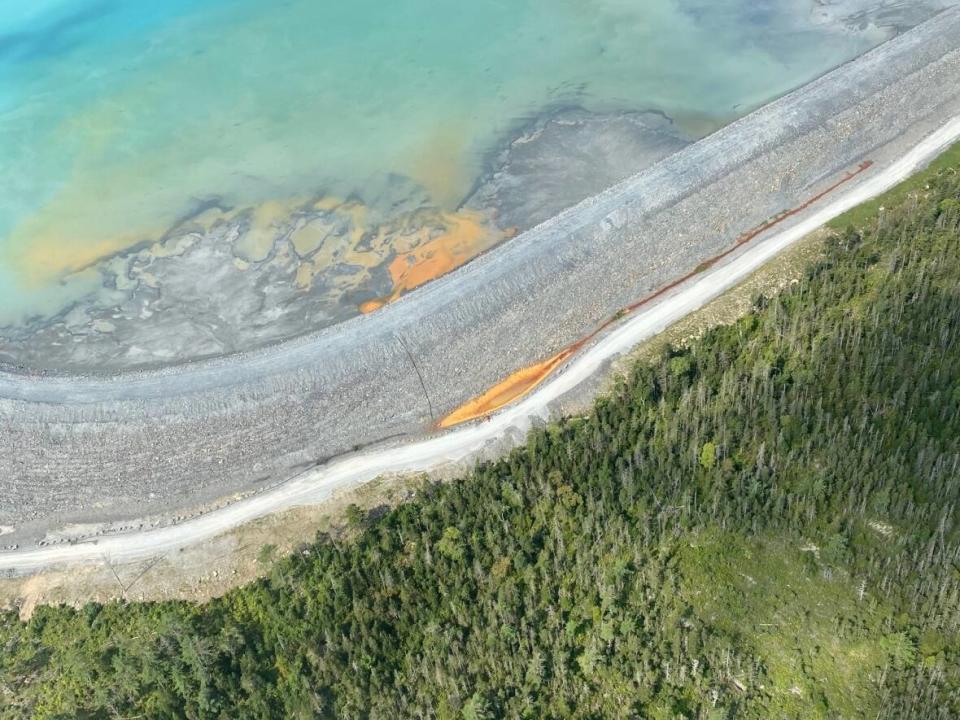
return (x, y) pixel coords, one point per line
(523, 381)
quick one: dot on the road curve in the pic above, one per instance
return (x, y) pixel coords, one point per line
(133, 450)
(455, 445)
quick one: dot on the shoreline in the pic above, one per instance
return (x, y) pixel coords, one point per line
(470, 439)
(175, 440)
(300, 246)
(480, 212)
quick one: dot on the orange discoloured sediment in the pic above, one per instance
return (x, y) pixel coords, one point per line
(513, 388)
(523, 381)
(371, 306)
(465, 235)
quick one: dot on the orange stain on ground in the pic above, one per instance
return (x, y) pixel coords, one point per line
(465, 235)
(516, 386)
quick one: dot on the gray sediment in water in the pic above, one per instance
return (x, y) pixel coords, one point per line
(566, 156)
(193, 295)
(88, 449)
(227, 279)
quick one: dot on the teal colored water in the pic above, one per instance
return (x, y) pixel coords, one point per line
(117, 117)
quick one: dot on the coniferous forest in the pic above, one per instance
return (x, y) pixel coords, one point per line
(763, 524)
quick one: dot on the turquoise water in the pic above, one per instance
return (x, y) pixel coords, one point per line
(119, 117)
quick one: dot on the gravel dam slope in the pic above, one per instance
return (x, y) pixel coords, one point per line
(76, 451)
(317, 485)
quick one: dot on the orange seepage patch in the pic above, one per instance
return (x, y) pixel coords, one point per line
(438, 256)
(371, 305)
(513, 388)
(465, 235)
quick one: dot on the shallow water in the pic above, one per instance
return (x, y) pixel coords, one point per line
(119, 120)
